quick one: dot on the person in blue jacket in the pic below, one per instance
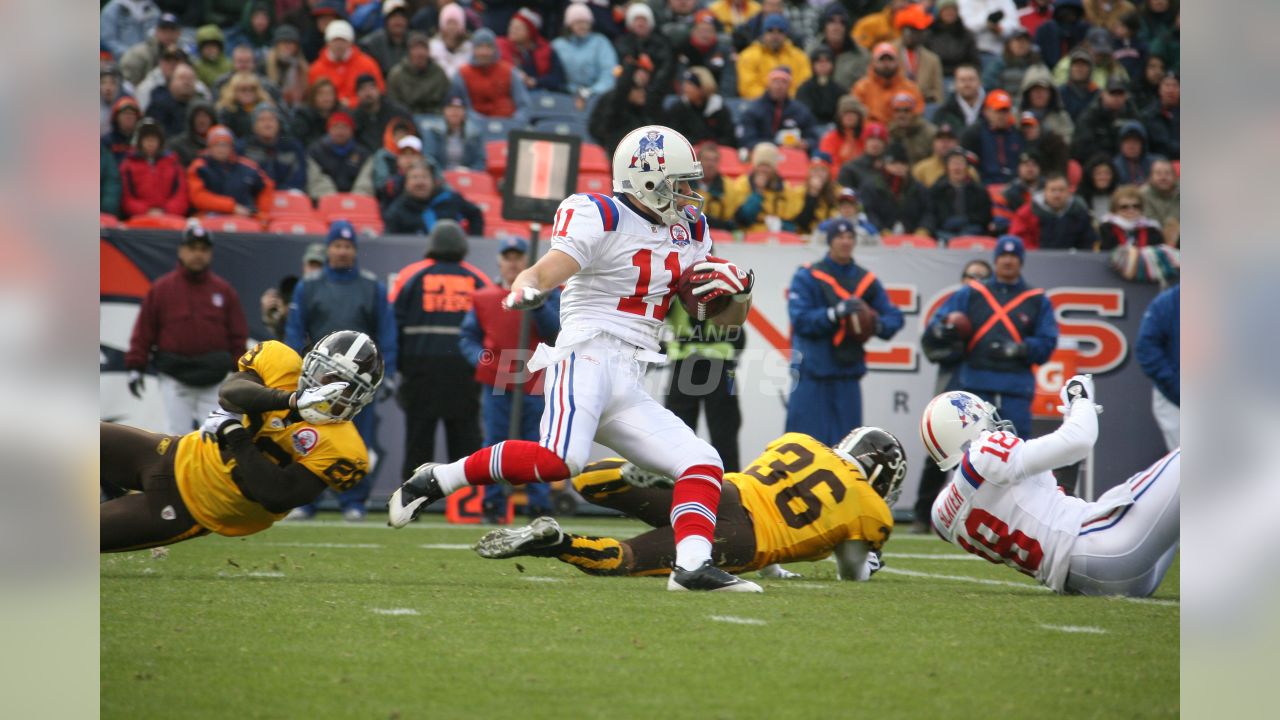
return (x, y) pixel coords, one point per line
(1158, 347)
(1013, 329)
(826, 361)
(343, 297)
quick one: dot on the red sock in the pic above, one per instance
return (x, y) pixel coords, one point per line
(694, 502)
(517, 462)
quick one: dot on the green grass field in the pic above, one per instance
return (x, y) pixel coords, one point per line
(327, 620)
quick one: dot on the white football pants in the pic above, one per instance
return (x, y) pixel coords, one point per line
(595, 392)
(1128, 551)
(1168, 417)
(185, 407)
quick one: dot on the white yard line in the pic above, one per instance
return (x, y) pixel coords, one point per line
(393, 611)
(735, 620)
(1085, 629)
(444, 546)
(539, 578)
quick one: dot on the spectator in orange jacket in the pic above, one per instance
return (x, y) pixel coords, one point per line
(877, 27)
(342, 62)
(153, 180)
(223, 182)
(883, 80)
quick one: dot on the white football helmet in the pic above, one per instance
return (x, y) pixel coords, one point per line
(954, 419)
(650, 163)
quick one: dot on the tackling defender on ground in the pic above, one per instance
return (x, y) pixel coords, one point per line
(799, 501)
(1004, 505)
(620, 259)
(286, 437)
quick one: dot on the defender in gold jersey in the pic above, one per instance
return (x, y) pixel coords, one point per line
(282, 435)
(798, 501)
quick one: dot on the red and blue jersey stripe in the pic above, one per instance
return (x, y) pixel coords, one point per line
(970, 474)
(699, 227)
(608, 210)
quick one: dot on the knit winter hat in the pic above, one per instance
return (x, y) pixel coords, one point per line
(838, 226)
(530, 19)
(1010, 245)
(220, 133)
(578, 11)
(453, 13)
(638, 9)
(339, 30)
(341, 230)
(484, 36)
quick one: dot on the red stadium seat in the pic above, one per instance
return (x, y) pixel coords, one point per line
(349, 206)
(721, 237)
(596, 183)
(971, 242)
(109, 221)
(231, 223)
(495, 157)
(488, 204)
(913, 241)
(291, 204)
(762, 237)
(593, 160)
(471, 181)
(298, 226)
(520, 229)
(794, 165)
(157, 222)
(730, 165)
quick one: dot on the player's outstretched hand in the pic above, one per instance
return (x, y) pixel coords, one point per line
(715, 278)
(874, 562)
(313, 403)
(136, 385)
(219, 423)
(1078, 387)
(525, 298)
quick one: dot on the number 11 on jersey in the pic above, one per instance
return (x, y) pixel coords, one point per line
(635, 303)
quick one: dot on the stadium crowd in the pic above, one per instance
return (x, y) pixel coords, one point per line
(851, 122)
(943, 118)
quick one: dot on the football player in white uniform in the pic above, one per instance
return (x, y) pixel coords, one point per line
(620, 258)
(1004, 505)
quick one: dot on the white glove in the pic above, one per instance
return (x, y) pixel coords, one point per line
(525, 298)
(219, 423)
(1075, 388)
(716, 278)
(313, 403)
(777, 571)
(874, 563)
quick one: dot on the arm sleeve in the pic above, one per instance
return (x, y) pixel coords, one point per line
(807, 308)
(1042, 344)
(244, 393)
(1067, 445)
(1153, 339)
(295, 334)
(608, 59)
(177, 202)
(202, 198)
(318, 183)
(851, 560)
(278, 489)
(891, 319)
(579, 229)
(144, 333)
(471, 338)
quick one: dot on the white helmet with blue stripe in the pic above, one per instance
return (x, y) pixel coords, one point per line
(954, 419)
(649, 165)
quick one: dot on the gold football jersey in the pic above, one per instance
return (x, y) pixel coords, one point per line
(804, 499)
(205, 474)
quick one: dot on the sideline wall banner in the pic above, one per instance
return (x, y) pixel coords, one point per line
(1096, 311)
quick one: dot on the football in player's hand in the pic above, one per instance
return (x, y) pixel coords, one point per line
(960, 324)
(862, 323)
(696, 307)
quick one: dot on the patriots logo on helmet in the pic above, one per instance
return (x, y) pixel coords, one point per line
(962, 406)
(649, 153)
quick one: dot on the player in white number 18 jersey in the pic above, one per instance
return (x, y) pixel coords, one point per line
(620, 258)
(1004, 505)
